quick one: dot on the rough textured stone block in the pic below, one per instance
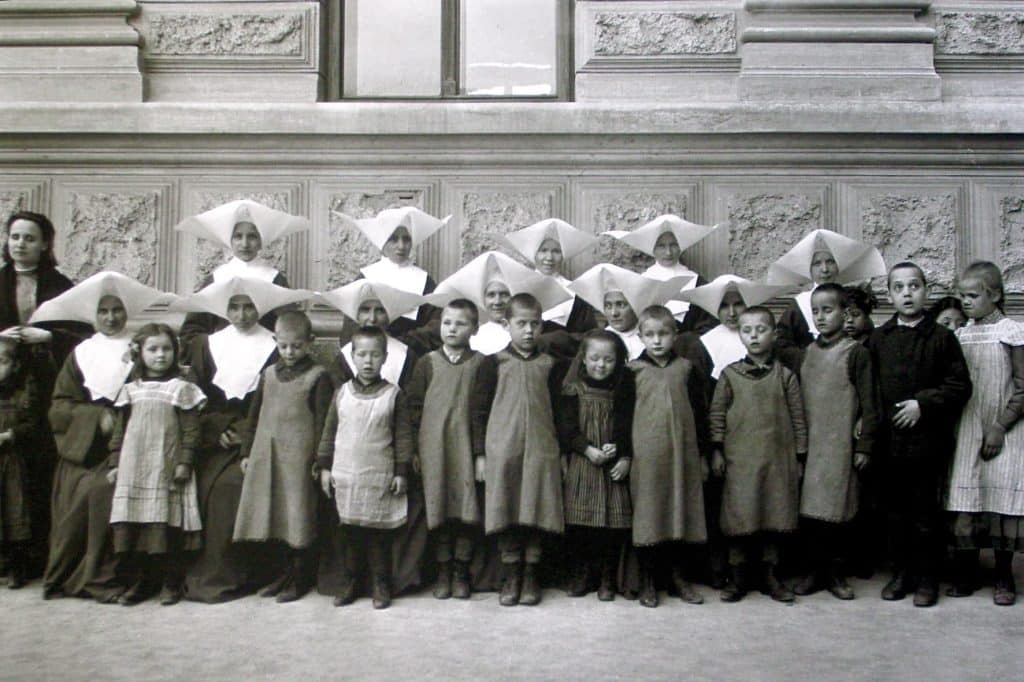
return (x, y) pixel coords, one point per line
(225, 34)
(919, 227)
(664, 33)
(980, 33)
(12, 202)
(765, 225)
(112, 231)
(347, 249)
(487, 215)
(1011, 242)
(208, 255)
(627, 212)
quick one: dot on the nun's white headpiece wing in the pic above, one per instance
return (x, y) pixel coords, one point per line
(646, 236)
(573, 241)
(348, 298)
(380, 228)
(218, 223)
(79, 303)
(856, 260)
(471, 280)
(266, 296)
(639, 291)
(709, 296)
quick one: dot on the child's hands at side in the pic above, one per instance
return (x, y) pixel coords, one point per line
(992, 442)
(112, 475)
(480, 468)
(106, 422)
(243, 464)
(858, 429)
(182, 472)
(907, 415)
(621, 469)
(229, 439)
(326, 482)
(398, 485)
(717, 463)
(860, 461)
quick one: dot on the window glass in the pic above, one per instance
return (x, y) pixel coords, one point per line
(392, 48)
(509, 48)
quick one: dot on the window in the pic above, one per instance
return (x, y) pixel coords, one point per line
(475, 49)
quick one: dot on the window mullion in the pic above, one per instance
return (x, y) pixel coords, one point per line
(451, 18)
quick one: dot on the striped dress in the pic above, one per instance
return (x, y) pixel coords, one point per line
(989, 495)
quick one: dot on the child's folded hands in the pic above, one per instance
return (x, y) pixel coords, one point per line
(621, 469)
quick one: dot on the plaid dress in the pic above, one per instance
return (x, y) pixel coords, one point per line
(145, 492)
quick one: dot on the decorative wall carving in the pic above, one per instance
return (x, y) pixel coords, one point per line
(979, 33)
(12, 201)
(1011, 241)
(627, 212)
(664, 33)
(347, 249)
(920, 227)
(486, 215)
(764, 225)
(275, 34)
(208, 255)
(112, 231)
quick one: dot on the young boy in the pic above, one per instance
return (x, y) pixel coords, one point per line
(448, 408)
(669, 445)
(364, 458)
(924, 384)
(522, 453)
(759, 436)
(838, 388)
(286, 416)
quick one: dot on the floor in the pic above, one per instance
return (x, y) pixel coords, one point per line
(818, 638)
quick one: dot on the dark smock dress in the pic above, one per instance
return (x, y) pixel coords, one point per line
(20, 414)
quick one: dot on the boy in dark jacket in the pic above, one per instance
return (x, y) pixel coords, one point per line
(924, 383)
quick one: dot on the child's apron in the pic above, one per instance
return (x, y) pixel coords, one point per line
(364, 460)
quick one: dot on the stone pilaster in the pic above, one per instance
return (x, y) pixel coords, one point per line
(69, 51)
(838, 49)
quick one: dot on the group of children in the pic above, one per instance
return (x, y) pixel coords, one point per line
(678, 441)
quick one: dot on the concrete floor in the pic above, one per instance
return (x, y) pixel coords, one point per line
(819, 638)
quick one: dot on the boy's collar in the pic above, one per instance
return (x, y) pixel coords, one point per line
(359, 380)
(521, 354)
(824, 343)
(644, 355)
(454, 355)
(769, 361)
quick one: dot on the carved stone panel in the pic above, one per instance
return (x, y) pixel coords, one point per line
(919, 226)
(257, 34)
(980, 33)
(208, 255)
(1011, 241)
(347, 250)
(487, 214)
(763, 225)
(112, 231)
(12, 201)
(653, 33)
(629, 211)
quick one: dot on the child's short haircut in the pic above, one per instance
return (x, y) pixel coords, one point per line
(138, 341)
(833, 288)
(989, 275)
(761, 310)
(466, 306)
(657, 313)
(906, 265)
(371, 333)
(861, 299)
(524, 301)
(295, 321)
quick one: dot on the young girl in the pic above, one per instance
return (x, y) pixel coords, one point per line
(245, 227)
(988, 468)
(20, 416)
(155, 514)
(823, 256)
(860, 303)
(397, 232)
(665, 238)
(949, 312)
(597, 421)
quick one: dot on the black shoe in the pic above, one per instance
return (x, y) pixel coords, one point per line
(293, 591)
(443, 584)
(511, 584)
(578, 581)
(136, 594)
(648, 589)
(927, 593)
(775, 588)
(170, 595)
(606, 591)
(1005, 593)
(531, 593)
(685, 589)
(53, 592)
(897, 588)
(462, 588)
(347, 594)
(809, 584)
(839, 588)
(381, 592)
(275, 588)
(16, 578)
(736, 588)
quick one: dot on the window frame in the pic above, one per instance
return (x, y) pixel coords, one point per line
(450, 55)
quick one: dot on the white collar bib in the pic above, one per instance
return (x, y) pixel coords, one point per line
(239, 357)
(104, 363)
